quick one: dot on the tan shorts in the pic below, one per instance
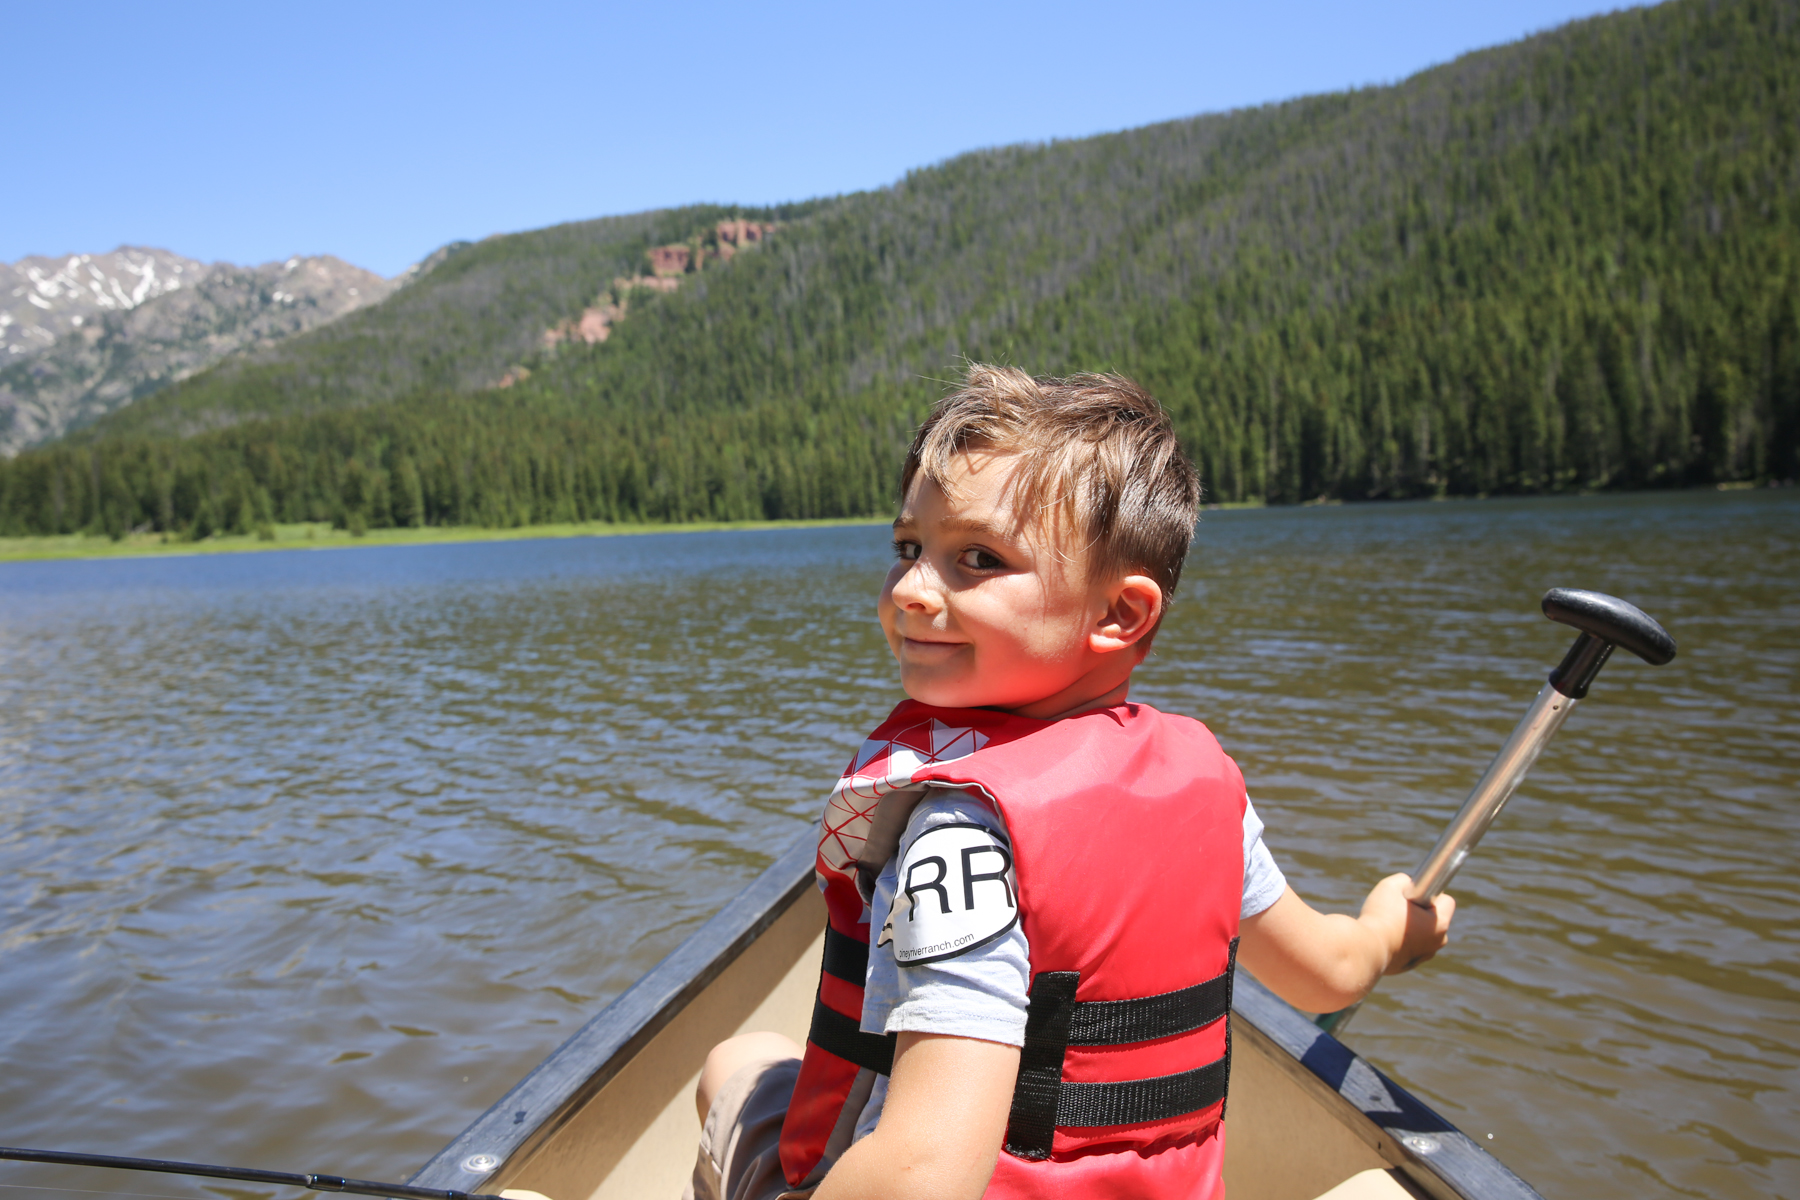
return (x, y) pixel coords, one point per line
(740, 1144)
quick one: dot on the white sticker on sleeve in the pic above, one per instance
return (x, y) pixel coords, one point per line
(955, 891)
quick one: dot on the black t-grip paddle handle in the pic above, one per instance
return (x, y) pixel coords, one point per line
(1604, 621)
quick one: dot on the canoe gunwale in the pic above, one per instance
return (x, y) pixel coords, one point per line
(539, 1105)
(1435, 1157)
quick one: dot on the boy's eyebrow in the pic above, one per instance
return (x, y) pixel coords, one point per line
(971, 525)
(905, 523)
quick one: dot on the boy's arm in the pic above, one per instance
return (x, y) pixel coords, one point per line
(940, 1129)
(1322, 962)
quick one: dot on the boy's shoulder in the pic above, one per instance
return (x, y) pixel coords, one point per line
(1092, 745)
(954, 732)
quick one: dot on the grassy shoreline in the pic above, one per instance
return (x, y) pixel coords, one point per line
(321, 536)
(318, 535)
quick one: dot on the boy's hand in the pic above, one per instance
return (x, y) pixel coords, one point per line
(1411, 933)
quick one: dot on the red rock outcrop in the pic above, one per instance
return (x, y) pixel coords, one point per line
(741, 233)
(595, 323)
(670, 260)
(732, 236)
(669, 265)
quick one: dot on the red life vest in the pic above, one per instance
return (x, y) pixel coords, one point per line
(1127, 840)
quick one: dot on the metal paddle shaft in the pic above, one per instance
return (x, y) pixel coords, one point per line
(318, 1183)
(1605, 622)
(1502, 778)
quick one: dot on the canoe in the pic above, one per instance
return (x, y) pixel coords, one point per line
(611, 1114)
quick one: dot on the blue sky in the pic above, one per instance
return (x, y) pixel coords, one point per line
(376, 131)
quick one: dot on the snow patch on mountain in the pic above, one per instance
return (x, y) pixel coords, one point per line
(43, 298)
(85, 334)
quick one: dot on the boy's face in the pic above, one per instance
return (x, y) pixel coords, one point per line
(983, 611)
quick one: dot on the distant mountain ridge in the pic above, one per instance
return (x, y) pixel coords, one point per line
(83, 335)
(42, 298)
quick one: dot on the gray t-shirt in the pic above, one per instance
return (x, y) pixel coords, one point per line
(978, 992)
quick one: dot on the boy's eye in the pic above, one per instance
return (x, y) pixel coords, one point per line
(906, 551)
(978, 560)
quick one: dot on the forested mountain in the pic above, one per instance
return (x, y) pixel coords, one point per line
(466, 315)
(1569, 262)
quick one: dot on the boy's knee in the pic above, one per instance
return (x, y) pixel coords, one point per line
(733, 1055)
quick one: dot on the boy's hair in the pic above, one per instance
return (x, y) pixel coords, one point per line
(1098, 449)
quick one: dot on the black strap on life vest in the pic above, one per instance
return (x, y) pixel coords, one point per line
(1121, 1022)
(845, 957)
(848, 959)
(843, 1036)
(1055, 1020)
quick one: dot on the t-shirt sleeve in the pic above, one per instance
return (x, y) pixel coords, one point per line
(968, 964)
(1263, 881)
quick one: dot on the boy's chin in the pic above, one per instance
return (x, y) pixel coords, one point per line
(939, 693)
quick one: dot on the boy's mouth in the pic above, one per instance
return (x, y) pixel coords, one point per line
(926, 648)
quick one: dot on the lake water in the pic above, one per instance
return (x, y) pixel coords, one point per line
(306, 857)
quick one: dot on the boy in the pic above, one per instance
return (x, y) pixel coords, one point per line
(1037, 890)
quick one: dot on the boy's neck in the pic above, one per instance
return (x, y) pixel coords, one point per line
(1064, 705)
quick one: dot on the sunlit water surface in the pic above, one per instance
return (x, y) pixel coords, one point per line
(306, 857)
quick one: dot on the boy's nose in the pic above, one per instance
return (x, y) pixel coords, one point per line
(918, 587)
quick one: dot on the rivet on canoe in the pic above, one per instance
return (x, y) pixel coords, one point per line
(1420, 1143)
(481, 1164)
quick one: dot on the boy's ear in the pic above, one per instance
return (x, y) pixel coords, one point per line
(1136, 604)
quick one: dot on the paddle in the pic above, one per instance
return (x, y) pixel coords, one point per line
(318, 1183)
(1604, 622)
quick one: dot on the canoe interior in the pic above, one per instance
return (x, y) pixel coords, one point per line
(611, 1114)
